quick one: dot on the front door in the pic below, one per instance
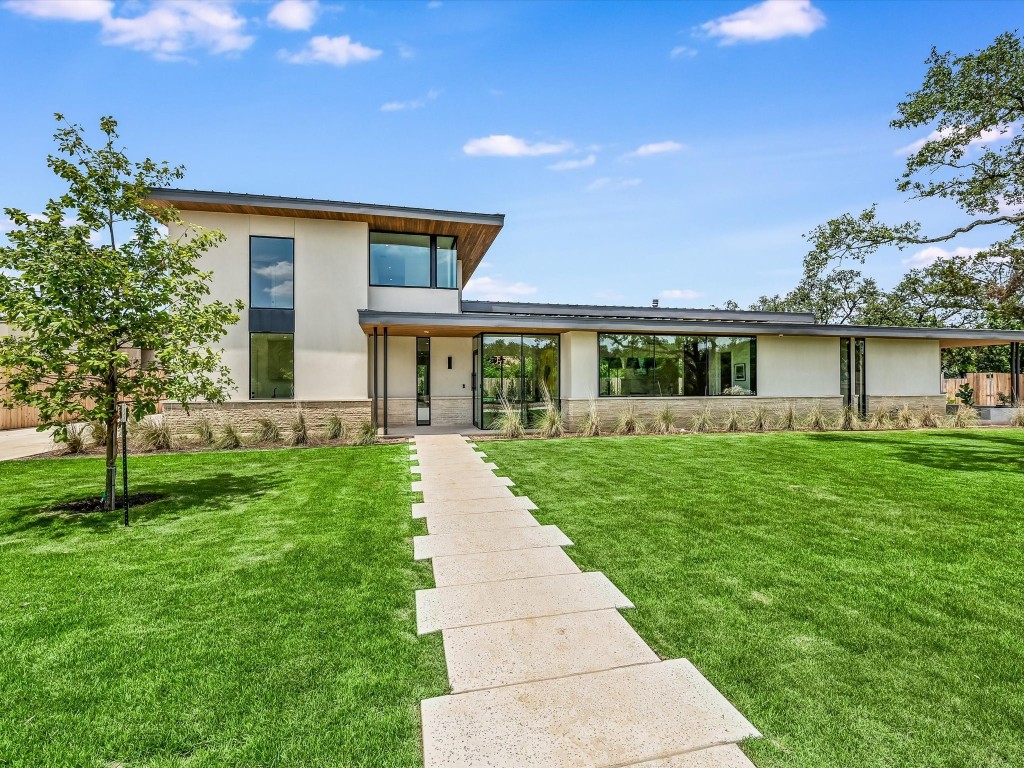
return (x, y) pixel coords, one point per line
(422, 382)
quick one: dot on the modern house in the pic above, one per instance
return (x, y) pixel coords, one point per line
(357, 309)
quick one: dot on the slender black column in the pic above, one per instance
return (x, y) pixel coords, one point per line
(374, 418)
(1015, 372)
(385, 379)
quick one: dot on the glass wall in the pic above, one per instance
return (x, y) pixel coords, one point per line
(399, 259)
(271, 366)
(271, 262)
(447, 263)
(673, 365)
(522, 369)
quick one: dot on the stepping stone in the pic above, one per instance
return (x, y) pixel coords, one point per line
(471, 506)
(469, 604)
(501, 566)
(492, 522)
(469, 466)
(438, 545)
(617, 717)
(454, 493)
(725, 756)
(460, 481)
(525, 650)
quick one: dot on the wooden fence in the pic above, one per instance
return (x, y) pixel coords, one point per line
(23, 417)
(987, 387)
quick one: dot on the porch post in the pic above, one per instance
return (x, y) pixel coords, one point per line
(1015, 371)
(385, 379)
(374, 418)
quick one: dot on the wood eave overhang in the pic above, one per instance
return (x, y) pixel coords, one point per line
(470, 324)
(475, 231)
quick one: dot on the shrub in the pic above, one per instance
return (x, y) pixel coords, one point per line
(334, 428)
(203, 430)
(966, 394)
(629, 423)
(74, 438)
(905, 418)
(787, 419)
(229, 437)
(367, 432)
(703, 421)
(509, 421)
(153, 434)
(880, 417)
(928, 418)
(1017, 418)
(266, 431)
(299, 430)
(850, 419)
(759, 419)
(665, 421)
(964, 416)
(550, 424)
(816, 420)
(590, 424)
(97, 432)
(732, 421)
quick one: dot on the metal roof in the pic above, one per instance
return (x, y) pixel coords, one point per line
(633, 313)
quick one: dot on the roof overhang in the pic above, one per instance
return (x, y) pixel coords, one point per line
(471, 323)
(476, 231)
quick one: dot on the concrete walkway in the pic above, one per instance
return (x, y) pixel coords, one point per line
(21, 443)
(544, 670)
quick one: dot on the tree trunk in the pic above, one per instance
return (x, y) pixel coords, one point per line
(111, 446)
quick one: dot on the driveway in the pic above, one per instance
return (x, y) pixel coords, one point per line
(19, 443)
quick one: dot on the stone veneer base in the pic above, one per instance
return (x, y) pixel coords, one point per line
(245, 414)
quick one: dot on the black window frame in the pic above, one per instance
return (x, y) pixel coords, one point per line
(270, 399)
(252, 304)
(751, 374)
(433, 259)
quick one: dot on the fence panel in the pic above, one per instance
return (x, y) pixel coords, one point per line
(987, 387)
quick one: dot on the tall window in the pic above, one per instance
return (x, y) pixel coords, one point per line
(413, 261)
(672, 365)
(521, 370)
(271, 265)
(271, 366)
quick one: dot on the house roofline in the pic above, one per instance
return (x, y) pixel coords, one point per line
(633, 313)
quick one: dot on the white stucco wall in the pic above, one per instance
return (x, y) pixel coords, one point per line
(579, 365)
(903, 367)
(331, 276)
(797, 366)
(396, 299)
(456, 382)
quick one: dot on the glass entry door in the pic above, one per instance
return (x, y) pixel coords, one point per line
(517, 371)
(422, 382)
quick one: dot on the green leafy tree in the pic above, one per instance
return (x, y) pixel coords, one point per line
(98, 319)
(973, 158)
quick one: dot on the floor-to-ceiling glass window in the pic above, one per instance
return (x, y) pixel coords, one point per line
(521, 370)
(672, 365)
(422, 381)
(476, 380)
(271, 366)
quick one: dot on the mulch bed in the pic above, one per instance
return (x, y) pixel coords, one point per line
(92, 504)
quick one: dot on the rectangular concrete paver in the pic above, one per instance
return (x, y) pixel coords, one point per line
(455, 493)
(468, 542)
(469, 604)
(611, 718)
(471, 506)
(494, 521)
(501, 566)
(461, 483)
(469, 467)
(541, 648)
(724, 756)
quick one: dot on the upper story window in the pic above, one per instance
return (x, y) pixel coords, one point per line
(416, 261)
(271, 266)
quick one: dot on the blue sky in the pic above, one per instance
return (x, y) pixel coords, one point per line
(638, 150)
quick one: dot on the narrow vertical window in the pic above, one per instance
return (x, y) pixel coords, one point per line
(447, 263)
(271, 366)
(271, 267)
(422, 382)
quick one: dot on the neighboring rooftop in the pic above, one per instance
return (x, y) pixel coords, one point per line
(476, 231)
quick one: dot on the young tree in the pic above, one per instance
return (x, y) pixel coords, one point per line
(974, 158)
(96, 319)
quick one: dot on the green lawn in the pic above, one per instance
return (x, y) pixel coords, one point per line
(859, 597)
(262, 615)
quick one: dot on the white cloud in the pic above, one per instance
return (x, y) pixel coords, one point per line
(167, 29)
(280, 290)
(571, 165)
(677, 293)
(608, 182)
(768, 20)
(398, 106)
(656, 148)
(63, 10)
(275, 271)
(503, 145)
(406, 51)
(339, 51)
(681, 51)
(933, 253)
(293, 14)
(987, 136)
(489, 288)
